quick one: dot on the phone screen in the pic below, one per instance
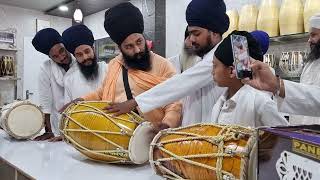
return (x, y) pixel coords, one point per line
(241, 56)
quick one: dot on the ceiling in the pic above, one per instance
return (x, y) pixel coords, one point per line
(51, 6)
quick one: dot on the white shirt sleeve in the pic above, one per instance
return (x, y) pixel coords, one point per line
(300, 99)
(177, 86)
(45, 91)
(67, 93)
(268, 114)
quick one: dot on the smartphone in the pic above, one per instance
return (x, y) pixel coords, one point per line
(241, 56)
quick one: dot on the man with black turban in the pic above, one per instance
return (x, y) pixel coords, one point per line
(136, 69)
(52, 72)
(207, 21)
(88, 75)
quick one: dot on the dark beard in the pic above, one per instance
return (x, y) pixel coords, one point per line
(66, 66)
(201, 52)
(315, 52)
(90, 72)
(143, 63)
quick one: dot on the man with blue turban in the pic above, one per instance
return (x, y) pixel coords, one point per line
(51, 86)
(88, 75)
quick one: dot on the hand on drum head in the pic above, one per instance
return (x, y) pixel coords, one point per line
(121, 108)
(55, 139)
(159, 127)
(66, 105)
(44, 137)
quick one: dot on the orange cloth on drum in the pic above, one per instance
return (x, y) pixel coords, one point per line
(140, 81)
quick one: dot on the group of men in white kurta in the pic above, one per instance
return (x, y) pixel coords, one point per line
(62, 78)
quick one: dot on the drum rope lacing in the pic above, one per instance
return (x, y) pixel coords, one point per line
(226, 133)
(97, 133)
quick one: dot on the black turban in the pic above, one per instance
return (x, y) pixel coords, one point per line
(76, 36)
(208, 14)
(45, 39)
(225, 54)
(123, 20)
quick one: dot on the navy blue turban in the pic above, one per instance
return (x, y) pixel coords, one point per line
(76, 36)
(263, 39)
(45, 39)
(123, 20)
(224, 51)
(208, 14)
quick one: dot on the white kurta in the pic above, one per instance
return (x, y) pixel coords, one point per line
(311, 76)
(248, 107)
(76, 85)
(51, 91)
(300, 99)
(196, 78)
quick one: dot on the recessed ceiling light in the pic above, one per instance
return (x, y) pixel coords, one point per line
(63, 8)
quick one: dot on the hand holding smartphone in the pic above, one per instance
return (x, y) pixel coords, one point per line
(241, 56)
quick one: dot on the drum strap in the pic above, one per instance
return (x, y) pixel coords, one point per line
(127, 86)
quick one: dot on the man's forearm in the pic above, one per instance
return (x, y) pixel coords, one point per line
(47, 123)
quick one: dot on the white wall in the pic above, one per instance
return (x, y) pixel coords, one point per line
(175, 26)
(95, 21)
(24, 20)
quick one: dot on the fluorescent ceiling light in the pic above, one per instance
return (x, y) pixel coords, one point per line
(63, 8)
(78, 15)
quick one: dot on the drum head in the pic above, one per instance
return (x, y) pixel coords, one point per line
(25, 121)
(139, 144)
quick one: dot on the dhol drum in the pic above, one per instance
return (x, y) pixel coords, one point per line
(233, 18)
(102, 137)
(311, 7)
(291, 63)
(21, 119)
(204, 151)
(248, 18)
(270, 60)
(2, 67)
(291, 17)
(7, 66)
(268, 17)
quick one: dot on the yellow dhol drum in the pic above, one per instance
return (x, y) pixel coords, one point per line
(203, 151)
(234, 18)
(311, 8)
(101, 137)
(268, 17)
(291, 17)
(21, 119)
(248, 18)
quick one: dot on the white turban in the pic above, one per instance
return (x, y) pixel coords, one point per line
(315, 21)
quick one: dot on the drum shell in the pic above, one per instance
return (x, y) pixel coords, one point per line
(30, 130)
(84, 124)
(234, 19)
(311, 8)
(248, 18)
(236, 165)
(268, 17)
(291, 17)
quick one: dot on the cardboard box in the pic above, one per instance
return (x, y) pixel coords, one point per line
(289, 153)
